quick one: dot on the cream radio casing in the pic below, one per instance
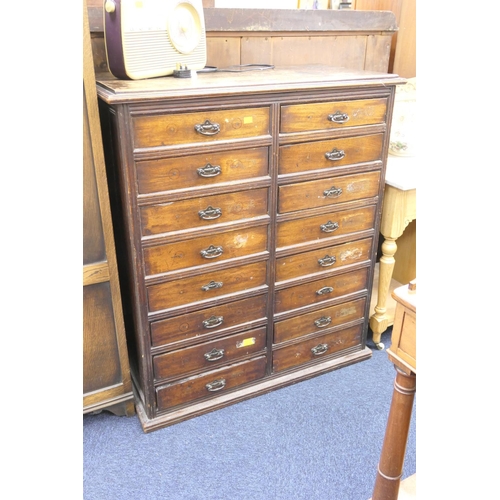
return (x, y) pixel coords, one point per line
(151, 38)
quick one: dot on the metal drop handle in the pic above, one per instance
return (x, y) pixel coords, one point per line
(212, 252)
(214, 354)
(207, 128)
(216, 385)
(209, 170)
(338, 117)
(323, 321)
(324, 290)
(319, 349)
(212, 286)
(210, 213)
(333, 192)
(327, 261)
(213, 322)
(329, 227)
(335, 154)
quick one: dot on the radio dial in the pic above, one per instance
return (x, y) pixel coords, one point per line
(110, 6)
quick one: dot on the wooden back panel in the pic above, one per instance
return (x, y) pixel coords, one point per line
(347, 38)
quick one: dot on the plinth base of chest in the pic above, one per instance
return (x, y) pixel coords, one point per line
(263, 386)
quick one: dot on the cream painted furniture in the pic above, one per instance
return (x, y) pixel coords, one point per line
(398, 210)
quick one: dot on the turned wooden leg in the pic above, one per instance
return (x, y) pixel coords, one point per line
(390, 468)
(380, 320)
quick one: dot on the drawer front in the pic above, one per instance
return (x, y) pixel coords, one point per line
(205, 211)
(209, 354)
(319, 227)
(315, 292)
(199, 171)
(316, 349)
(329, 154)
(210, 384)
(206, 322)
(332, 115)
(330, 191)
(200, 127)
(206, 286)
(342, 284)
(200, 251)
(302, 264)
(319, 320)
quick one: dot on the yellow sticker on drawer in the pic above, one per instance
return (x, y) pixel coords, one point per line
(246, 342)
(248, 119)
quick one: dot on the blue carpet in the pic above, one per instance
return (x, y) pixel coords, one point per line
(316, 440)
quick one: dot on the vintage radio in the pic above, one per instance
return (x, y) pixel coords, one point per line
(151, 38)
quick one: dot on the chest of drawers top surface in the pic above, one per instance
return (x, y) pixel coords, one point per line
(277, 79)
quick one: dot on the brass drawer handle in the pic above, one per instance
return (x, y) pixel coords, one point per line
(212, 286)
(209, 170)
(329, 227)
(214, 354)
(333, 192)
(335, 154)
(319, 349)
(213, 322)
(212, 252)
(323, 321)
(210, 213)
(207, 128)
(327, 261)
(338, 117)
(324, 290)
(216, 385)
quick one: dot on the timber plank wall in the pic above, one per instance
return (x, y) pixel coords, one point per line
(346, 38)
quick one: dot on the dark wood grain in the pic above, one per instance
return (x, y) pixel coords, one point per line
(183, 172)
(306, 156)
(302, 352)
(268, 228)
(191, 327)
(209, 355)
(183, 214)
(185, 291)
(195, 388)
(307, 229)
(327, 317)
(328, 191)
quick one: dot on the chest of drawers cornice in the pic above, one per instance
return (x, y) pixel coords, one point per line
(246, 210)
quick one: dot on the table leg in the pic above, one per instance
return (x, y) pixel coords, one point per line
(380, 320)
(390, 468)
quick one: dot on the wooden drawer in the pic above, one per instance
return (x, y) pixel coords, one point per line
(308, 229)
(316, 348)
(199, 171)
(324, 259)
(342, 284)
(330, 191)
(204, 323)
(332, 115)
(320, 290)
(207, 286)
(204, 211)
(210, 384)
(318, 320)
(209, 354)
(329, 154)
(200, 251)
(200, 127)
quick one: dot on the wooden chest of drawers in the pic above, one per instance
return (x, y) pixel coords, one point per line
(246, 210)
